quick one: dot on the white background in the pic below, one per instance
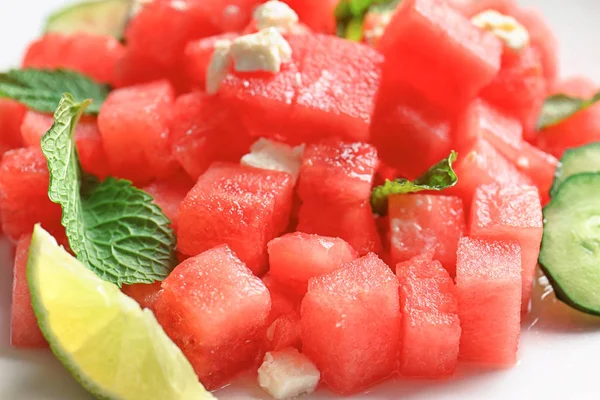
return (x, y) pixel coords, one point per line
(559, 355)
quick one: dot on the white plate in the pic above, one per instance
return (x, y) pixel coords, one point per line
(558, 355)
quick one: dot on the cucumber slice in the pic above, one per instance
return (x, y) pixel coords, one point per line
(102, 17)
(570, 253)
(581, 159)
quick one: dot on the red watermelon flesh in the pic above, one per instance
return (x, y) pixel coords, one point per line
(296, 257)
(11, 117)
(285, 332)
(510, 212)
(473, 7)
(353, 223)
(283, 300)
(337, 172)
(205, 130)
(134, 125)
(430, 325)
(327, 89)
(215, 310)
(437, 51)
(230, 15)
(520, 88)
(409, 134)
(145, 294)
(92, 55)
(488, 284)
(351, 324)
(168, 193)
(318, 15)
(577, 130)
(24, 198)
(420, 223)
(241, 206)
(24, 330)
(90, 149)
(198, 54)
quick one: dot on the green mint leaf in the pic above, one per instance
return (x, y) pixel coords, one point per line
(42, 89)
(350, 15)
(438, 177)
(560, 107)
(383, 6)
(113, 228)
(354, 30)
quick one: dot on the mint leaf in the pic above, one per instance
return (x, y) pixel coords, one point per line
(560, 107)
(438, 177)
(112, 227)
(350, 15)
(41, 89)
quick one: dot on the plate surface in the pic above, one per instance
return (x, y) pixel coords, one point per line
(559, 348)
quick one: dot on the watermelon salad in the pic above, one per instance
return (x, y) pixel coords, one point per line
(319, 193)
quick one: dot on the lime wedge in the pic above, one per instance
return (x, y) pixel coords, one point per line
(112, 347)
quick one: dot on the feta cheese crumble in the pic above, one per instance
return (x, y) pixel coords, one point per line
(268, 154)
(265, 50)
(506, 28)
(217, 68)
(287, 373)
(275, 14)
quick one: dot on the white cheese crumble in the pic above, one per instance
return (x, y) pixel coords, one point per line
(287, 373)
(265, 50)
(217, 68)
(275, 14)
(506, 28)
(268, 154)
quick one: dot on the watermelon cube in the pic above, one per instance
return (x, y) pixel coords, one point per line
(351, 324)
(318, 15)
(169, 193)
(327, 89)
(283, 300)
(488, 285)
(90, 149)
(422, 222)
(198, 54)
(520, 88)
(92, 55)
(24, 331)
(353, 223)
(473, 7)
(134, 124)
(215, 310)
(11, 117)
(579, 129)
(285, 332)
(430, 325)
(510, 212)
(145, 294)
(437, 51)
(410, 134)
(296, 257)
(204, 130)
(241, 206)
(24, 198)
(337, 172)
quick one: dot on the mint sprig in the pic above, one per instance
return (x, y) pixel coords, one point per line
(113, 228)
(560, 107)
(438, 177)
(350, 15)
(42, 89)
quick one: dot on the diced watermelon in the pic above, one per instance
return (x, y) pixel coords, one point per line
(296, 257)
(241, 206)
(488, 284)
(577, 130)
(90, 149)
(318, 15)
(327, 89)
(24, 198)
(353, 223)
(285, 332)
(420, 223)
(410, 135)
(215, 310)
(473, 7)
(205, 130)
(169, 193)
(510, 212)
(230, 15)
(430, 325)
(92, 55)
(351, 324)
(337, 172)
(145, 295)
(197, 57)
(434, 49)
(283, 300)
(24, 330)
(134, 124)
(482, 165)
(520, 88)
(11, 117)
